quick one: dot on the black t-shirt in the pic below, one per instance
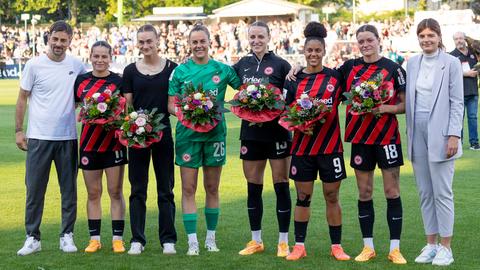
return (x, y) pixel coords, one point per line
(149, 91)
(470, 84)
(272, 69)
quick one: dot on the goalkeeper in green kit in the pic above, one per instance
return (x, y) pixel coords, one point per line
(200, 149)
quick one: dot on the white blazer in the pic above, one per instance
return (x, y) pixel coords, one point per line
(446, 115)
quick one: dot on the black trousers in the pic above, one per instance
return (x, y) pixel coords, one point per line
(161, 154)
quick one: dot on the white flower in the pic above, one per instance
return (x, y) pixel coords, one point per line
(261, 86)
(102, 107)
(299, 100)
(197, 96)
(133, 115)
(303, 96)
(185, 107)
(96, 95)
(259, 95)
(140, 121)
(251, 88)
(358, 89)
(140, 130)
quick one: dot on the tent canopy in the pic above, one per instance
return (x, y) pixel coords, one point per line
(259, 8)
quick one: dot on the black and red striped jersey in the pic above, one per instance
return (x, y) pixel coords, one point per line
(327, 86)
(94, 138)
(367, 128)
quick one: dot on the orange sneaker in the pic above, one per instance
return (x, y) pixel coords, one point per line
(282, 250)
(252, 248)
(367, 254)
(297, 253)
(396, 257)
(338, 253)
(93, 246)
(118, 246)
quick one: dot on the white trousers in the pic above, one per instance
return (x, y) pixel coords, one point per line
(434, 183)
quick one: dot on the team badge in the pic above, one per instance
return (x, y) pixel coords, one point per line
(85, 161)
(268, 71)
(216, 79)
(358, 160)
(243, 150)
(294, 170)
(186, 157)
(330, 88)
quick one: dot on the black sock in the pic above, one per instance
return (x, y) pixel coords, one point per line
(94, 226)
(255, 206)
(366, 217)
(395, 217)
(117, 227)
(300, 231)
(284, 206)
(335, 234)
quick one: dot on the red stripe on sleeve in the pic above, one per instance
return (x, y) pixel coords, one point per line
(82, 86)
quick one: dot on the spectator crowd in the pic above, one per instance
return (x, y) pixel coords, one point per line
(229, 41)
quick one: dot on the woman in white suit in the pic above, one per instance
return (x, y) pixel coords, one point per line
(434, 108)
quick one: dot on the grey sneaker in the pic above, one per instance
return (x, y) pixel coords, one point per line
(30, 246)
(475, 147)
(427, 254)
(67, 244)
(444, 256)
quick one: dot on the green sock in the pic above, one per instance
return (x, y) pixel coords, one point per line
(211, 216)
(190, 222)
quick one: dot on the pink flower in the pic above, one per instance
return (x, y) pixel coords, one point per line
(140, 121)
(102, 107)
(108, 92)
(209, 104)
(376, 95)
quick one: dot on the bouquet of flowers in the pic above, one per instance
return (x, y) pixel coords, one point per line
(141, 128)
(102, 109)
(257, 103)
(367, 95)
(197, 109)
(304, 114)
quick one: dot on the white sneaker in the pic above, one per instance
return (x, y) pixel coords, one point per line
(211, 245)
(67, 244)
(31, 245)
(444, 256)
(427, 254)
(193, 249)
(135, 248)
(169, 249)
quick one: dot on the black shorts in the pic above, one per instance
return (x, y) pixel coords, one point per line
(364, 157)
(258, 150)
(103, 160)
(330, 168)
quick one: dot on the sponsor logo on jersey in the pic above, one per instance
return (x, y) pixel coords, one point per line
(330, 88)
(358, 160)
(214, 92)
(243, 150)
(268, 71)
(251, 79)
(85, 161)
(294, 170)
(327, 101)
(216, 79)
(186, 157)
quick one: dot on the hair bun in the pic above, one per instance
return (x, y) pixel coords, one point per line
(315, 29)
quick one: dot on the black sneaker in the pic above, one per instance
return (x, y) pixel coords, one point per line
(475, 147)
